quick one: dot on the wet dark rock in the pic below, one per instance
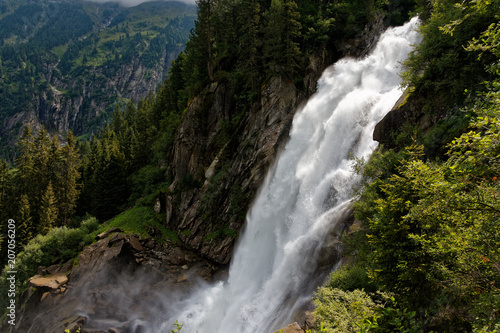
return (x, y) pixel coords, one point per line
(119, 281)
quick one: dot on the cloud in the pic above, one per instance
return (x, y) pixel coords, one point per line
(131, 3)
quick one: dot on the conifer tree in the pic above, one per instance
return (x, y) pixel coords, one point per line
(291, 36)
(54, 164)
(6, 196)
(24, 221)
(273, 34)
(5, 184)
(24, 162)
(198, 61)
(205, 32)
(281, 48)
(249, 55)
(68, 193)
(48, 210)
(42, 171)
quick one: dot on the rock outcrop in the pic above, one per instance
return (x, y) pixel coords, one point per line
(390, 126)
(114, 285)
(292, 328)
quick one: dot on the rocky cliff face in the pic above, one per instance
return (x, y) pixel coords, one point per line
(78, 103)
(209, 217)
(67, 64)
(118, 284)
(215, 175)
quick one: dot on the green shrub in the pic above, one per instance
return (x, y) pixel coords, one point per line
(346, 311)
(146, 182)
(57, 246)
(392, 318)
(90, 225)
(350, 278)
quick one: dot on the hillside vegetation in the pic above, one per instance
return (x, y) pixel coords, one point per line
(424, 252)
(81, 59)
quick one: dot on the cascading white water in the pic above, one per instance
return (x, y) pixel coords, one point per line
(304, 196)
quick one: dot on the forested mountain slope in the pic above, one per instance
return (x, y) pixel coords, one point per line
(68, 64)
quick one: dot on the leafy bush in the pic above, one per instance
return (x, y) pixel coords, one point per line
(346, 311)
(57, 246)
(351, 278)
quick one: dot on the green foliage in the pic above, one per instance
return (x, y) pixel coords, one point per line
(431, 227)
(139, 220)
(57, 246)
(48, 210)
(41, 191)
(146, 181)
(441, 67)
(350, 278)
(346, 311)
(429, 231)
(178, 327)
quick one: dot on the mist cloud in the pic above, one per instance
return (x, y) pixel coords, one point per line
(131, 3)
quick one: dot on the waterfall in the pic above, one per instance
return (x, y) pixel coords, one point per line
(305, 197)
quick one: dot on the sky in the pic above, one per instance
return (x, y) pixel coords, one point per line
(130, 3)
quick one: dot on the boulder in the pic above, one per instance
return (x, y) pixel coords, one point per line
(49, 283)
(136, 245)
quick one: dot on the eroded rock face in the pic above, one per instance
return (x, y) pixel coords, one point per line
(217, 171)
(208, 218)
(120, 282)
(60, 112)
(402, 113)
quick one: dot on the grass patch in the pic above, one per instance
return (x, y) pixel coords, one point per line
(139, 220)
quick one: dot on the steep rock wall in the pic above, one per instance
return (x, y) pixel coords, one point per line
(216, 176)
(77, 104)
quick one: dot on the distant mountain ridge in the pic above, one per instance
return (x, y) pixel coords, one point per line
(67, 64)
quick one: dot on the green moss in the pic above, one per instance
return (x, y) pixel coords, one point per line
(221, 233)
(139, 220)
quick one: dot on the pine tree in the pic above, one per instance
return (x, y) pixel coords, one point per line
(54, 164)
(205, 31)
(42, 171)
(281, 34)
(5, 184)
(7, 200)
(291, 36)
(198, 62)
(249, 55)
(273, 36)
(48, 210)
(25, 178)
(24, 221)
(109, 179)
(68, 193)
